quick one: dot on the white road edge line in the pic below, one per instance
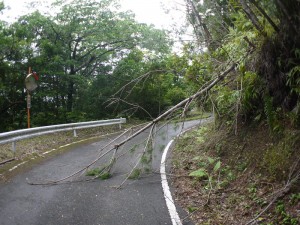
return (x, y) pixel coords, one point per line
(167, 194)
(166, 189)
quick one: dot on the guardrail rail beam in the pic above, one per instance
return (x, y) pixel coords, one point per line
(14, 136)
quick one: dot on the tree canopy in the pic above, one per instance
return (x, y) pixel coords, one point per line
(79, 54)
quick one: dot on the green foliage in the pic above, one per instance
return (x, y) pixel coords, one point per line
(94, 172)
(239, 38)
(146, 159)
(175, 95)
(201, 134)
(230, 176)
(192, 209)
(272, 116)
(217, 166)
(293, 79)
(162, 87)
(105, 176)
(136, 173)
(226, 100)
(282, 216)
(209, 167)
(251, 95)
(254, 197)
(83, 54)
(99, 173)
(200, 173)
(90, 49)
(295, 198)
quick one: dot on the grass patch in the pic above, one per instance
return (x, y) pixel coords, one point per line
(105, 176)
(99, 172)
(136, 173)
(94, 172)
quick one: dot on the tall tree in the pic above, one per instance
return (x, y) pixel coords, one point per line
(84, 41)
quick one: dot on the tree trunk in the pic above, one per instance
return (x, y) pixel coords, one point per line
(70, 96)
(71, 85)
(287, 13)
(206, 32)
(262, 11)
(250, 14)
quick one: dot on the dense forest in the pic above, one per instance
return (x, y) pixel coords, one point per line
(83, 55)
(88, 55)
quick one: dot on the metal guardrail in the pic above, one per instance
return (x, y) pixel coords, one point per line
(13, 136)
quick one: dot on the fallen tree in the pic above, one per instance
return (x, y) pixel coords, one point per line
(115, 148)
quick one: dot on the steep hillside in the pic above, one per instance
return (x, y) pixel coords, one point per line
(223, 178)
(248, 178)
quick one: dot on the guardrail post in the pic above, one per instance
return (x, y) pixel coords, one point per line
(13, 146)
(122, 120)
(75, 134)
(120, 126)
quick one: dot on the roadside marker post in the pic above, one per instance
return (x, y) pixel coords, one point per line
(31, 85)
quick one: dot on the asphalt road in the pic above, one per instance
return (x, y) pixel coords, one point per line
(98, 202)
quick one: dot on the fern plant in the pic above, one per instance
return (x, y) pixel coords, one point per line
(293, 80)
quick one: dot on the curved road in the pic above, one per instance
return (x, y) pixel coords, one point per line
(139, 202)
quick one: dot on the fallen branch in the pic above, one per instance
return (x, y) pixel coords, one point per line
(86, 167)
(7, 161)
(136, 81)
(114, 100)
(139, 161)
(152, 123)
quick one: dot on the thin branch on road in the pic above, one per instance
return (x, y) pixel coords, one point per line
(101, 155)
(150, 137)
